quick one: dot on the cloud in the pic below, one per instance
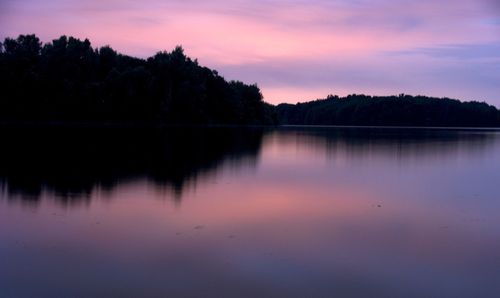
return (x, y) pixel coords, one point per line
(451, 73)
(494, 5)
(358, 46)
(489, 52)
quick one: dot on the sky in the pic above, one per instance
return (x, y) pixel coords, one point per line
(295, 50)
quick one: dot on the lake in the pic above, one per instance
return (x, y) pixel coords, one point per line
(231, 212)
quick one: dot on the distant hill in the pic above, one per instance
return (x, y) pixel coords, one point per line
(67, 80)
(402, 110)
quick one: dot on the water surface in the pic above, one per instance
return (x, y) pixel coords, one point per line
(224, 212)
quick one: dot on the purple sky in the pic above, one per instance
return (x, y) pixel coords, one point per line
(296, 50)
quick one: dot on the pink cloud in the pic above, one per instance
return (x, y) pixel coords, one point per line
(323, 35)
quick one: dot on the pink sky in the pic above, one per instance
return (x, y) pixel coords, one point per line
(296, 50)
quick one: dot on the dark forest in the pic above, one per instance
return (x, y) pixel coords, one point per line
(69, 81)
(402, 110)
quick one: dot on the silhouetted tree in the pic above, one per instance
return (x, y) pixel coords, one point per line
(68, 80)
(402, 110)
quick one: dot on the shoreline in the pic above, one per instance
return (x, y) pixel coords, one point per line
(63, 124)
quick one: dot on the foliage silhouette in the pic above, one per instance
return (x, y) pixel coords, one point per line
(69, 81)
(402, 110)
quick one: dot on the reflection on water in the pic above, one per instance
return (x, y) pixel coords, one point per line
(391, 143)
(72, 164)
(223, 212)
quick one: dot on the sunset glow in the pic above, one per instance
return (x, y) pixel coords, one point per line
(296, 50)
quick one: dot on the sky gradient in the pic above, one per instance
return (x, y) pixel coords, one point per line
(296, 50)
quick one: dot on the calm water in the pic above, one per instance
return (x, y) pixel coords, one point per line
(295, 212)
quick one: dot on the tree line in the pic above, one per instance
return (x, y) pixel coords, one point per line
(402, 110)
(70, 81)
(67, 80)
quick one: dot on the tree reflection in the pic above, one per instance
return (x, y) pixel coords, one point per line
(70, 163)
(404, 144)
